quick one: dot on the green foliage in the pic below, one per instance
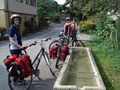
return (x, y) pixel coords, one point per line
(118, 28)
(105, 36)
(103, 39)
(55, 17)
(47, 8)
(86, 8)
(87, 25)
(109, 75)
(104, 26)
(109, 49)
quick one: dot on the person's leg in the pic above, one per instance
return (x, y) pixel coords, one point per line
(15, 52)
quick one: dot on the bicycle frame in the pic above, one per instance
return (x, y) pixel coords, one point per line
(39, 56)
(71, 40)
(35, 70)
(41, 53)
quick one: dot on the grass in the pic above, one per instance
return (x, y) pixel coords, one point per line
(110, 77)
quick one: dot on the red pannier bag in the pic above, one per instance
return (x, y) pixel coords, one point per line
(53, 52)
(9, 60)
(64, 52)
(24, 63)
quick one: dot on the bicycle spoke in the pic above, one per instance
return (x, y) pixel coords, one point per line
(19, 83)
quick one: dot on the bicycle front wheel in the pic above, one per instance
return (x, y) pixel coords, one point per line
(79, 43)
(57, 42)
(48, 62)
(15, 82)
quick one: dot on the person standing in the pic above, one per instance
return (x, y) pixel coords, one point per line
(67, 26)
(74, 27)
(14, 35)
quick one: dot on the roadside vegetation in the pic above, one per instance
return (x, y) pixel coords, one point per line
(101, 19)
(48, 12)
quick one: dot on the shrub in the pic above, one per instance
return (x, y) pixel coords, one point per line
(55, 17)
(87, 25)
(102, 40)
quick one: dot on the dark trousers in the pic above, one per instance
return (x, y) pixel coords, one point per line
(18, 52)
(74, 35)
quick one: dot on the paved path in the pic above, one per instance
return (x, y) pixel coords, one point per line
(47, 80)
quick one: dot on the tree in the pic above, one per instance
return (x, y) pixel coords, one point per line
(86, 8)
(46, 7)
(47, 10)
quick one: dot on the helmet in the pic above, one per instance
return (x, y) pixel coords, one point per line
(68, 18)
(15, 16)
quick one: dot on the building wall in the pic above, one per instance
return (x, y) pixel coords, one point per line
(2, 19)
(25, 10)
(24, 18)
(21, 7)
(2, 4)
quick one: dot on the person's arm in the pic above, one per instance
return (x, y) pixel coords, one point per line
(14, 43)
(11, 33)
(70, 23)
(76, 26)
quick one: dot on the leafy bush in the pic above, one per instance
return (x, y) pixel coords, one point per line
(54, 17)
(49, 21)
(105, 42)
(87, 25)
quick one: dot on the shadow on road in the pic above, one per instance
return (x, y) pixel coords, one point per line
(46, 84)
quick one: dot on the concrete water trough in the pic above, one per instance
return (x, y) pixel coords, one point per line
(79, 72)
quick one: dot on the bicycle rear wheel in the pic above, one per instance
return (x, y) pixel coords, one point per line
(56, 42)
(59, 62)
(18, 83)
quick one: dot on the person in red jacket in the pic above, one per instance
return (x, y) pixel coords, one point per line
(74, 26)
(67, 26)
(70, 28)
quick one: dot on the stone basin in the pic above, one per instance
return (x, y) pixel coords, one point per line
(79, 72)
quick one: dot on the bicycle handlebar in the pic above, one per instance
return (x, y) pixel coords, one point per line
(46, 39)
(32, 44)
(63, 34)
